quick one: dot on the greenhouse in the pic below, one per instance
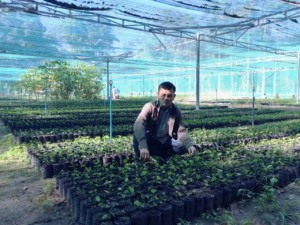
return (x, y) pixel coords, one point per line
(142, 48)
(76, 77)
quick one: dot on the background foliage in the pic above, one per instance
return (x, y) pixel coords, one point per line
(62, 80)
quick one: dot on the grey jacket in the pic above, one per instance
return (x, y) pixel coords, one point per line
(146, 118)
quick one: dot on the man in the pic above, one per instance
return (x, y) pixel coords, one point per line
(157, 124)
(115, 93)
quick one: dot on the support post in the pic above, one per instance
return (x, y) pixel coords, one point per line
(263, 83)
(107, 78)
(253, 98)
(143, 84)
(110, 109)
(46, 102)
(298, 79)
(275, 83)
(198, 73)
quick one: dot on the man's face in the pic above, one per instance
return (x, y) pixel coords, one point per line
(165, 97)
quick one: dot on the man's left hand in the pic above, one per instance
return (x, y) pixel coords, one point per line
(192, 150)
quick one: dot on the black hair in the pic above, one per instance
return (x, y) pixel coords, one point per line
(167, 85)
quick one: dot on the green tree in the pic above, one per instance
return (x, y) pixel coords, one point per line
(88, 82)
(63, 81)
(30, 82)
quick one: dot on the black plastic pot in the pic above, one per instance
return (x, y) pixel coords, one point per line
(199, 204)
(227, 197)
(209, 202)
(130, 209)
(154, 217)
(122, 158)
(234, 188)
(59, 137)
(41, 139)
(218, 193)
(249, 185)
(67, 185)
(47, 138)
(98, 219)
(65, 136)
(91, 212)
(57, 168)
(84, 205)
(53, 138)
(124, 220)
(292, 175)
(178, 210)
(107, 223)
(71, 136)
(61, 185)
(107, 159)
(47, 171)
(241, 192)
(286, 177)
(116, 159)
(281, 180)
(116, 213)
(258, 186)
(70, 193)
(19, 140)
(76, 207)
(189, 207)
(166, 214)
(139, 218)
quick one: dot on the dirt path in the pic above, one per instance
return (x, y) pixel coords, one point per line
(25, 198)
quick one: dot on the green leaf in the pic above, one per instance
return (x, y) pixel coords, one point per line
(274, 181)
(97, 198)
(131, 189)
(137, 203)
(144, 172)
(153, 191)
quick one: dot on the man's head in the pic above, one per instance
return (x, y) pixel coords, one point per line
(166, 93)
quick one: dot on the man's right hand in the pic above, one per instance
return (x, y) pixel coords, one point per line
(144, 154)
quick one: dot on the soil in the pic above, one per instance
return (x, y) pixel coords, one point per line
(27, 199)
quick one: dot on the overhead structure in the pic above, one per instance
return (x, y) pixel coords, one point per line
(155, 39)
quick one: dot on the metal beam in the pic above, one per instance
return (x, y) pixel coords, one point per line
(206, 27)
(46, 9)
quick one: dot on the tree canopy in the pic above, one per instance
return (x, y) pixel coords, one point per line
(61, 80)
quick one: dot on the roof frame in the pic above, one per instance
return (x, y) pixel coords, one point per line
(47, 9)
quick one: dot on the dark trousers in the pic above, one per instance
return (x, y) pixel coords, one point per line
(155, 148)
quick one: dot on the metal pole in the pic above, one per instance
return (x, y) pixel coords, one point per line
(253, 98)
(110, 110)
(263, 83)
(298, 83)
(198, 73)
(232, 85)
(143, 84)
(107, 78)
(274, 83)
(46, 106)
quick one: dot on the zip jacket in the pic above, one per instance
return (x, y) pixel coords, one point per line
(145, 124)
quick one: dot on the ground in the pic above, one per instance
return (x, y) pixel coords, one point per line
(27, 199)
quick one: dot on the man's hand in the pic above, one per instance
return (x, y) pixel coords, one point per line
(192, 150)
(144, 154)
